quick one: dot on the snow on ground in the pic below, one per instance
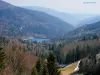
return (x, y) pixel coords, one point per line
(77, 68)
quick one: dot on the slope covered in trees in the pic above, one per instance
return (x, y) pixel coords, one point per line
(15, 57)
(87, 30)
(77, 50)
(48, 67)
(16, 21)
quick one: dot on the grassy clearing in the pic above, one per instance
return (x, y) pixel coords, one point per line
(69, 69)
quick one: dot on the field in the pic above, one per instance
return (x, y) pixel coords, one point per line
(69, 69)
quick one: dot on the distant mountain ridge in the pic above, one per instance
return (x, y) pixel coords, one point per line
(91, 20)
(73, 19)
(16, 21)
(4, 5)
(87, 30)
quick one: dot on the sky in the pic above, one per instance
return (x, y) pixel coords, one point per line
(71, 6)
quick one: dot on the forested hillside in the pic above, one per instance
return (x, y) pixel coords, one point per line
(16, 21)
(18, 57)
(89, 31)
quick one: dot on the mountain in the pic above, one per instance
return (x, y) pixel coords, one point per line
(87, 30)
(17, 21)
(91, 20)
(4, 5)
(73, 19)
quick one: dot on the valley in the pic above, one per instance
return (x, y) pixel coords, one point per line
(38, 40)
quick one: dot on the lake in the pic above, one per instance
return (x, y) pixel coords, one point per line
(40, 40)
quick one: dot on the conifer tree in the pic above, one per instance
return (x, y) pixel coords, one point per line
(77, 53)
(2, 58)
(34, 71)
(45, 70)
(51, 65)
(38, 66)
